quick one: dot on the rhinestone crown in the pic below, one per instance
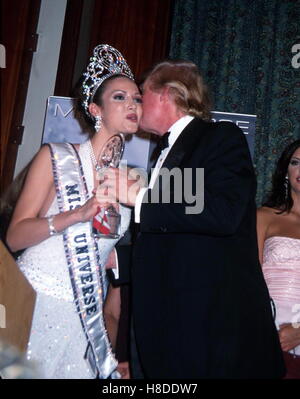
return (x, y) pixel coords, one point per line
(105, 62)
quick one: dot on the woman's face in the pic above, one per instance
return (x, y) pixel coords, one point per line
(121, 108)
(294, 171)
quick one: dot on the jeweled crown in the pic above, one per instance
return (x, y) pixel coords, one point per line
(105, 62)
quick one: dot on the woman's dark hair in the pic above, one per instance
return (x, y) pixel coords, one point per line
(280, 197)
(97, 99)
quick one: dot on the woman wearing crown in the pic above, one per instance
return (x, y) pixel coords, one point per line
(64, 261)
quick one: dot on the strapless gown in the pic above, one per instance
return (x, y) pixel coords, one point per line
(57, 343)
(281, 268)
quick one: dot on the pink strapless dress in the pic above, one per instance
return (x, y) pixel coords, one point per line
(281, 268)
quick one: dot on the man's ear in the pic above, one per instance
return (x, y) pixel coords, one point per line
(165, 94)
(94, 109)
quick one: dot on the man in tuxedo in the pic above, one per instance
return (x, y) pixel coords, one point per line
(201, 308)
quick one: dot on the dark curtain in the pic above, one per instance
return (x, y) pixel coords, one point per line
(140, 29)
(244, 49)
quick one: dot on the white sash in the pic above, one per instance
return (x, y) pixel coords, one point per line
(87, 275)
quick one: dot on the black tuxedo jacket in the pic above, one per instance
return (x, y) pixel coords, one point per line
(201, 307)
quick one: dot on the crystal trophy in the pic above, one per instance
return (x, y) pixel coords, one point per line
(107, 223)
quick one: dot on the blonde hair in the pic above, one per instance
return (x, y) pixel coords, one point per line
(185, 84)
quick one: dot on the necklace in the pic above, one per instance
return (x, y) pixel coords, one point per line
(93, 158)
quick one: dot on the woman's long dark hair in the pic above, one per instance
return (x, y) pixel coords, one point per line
(280, 197)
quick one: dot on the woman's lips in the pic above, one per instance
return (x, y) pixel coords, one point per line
(132, 117)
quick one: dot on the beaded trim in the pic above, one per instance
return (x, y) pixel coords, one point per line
(93, 158)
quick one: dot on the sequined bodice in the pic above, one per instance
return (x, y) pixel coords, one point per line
(45, 264)
(281, 267)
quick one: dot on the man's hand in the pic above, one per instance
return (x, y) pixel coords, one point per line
(121, 185)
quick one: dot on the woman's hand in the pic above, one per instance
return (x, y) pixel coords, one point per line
(124, 370)
(111, 262)
(88, 210)
(289, 336)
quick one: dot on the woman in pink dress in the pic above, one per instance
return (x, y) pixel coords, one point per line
(278, 229)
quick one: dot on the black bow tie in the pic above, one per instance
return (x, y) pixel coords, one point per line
(164, 141)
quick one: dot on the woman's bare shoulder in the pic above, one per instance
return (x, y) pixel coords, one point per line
(267, 215)
(267, 212)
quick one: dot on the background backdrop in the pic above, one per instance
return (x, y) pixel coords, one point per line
(243, 47)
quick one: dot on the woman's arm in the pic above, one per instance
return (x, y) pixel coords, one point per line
(112, 309)
(27, 226)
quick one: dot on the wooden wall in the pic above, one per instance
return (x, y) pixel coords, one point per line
(18, 34)
(138, 28)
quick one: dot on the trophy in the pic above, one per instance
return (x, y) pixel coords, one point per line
(107, 223)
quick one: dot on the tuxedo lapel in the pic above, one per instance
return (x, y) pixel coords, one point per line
(185, 143)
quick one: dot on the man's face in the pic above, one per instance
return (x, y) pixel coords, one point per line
(153, 111)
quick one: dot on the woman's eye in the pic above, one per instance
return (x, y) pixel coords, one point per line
(119, 97)
(294, 162)
(138, 100)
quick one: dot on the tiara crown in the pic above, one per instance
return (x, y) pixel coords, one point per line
(105, 62)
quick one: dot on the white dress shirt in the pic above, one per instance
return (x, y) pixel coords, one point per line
(175, 131)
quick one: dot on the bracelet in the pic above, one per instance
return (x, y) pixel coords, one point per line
(52, 230)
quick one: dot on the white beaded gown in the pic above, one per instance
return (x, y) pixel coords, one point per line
(57, 342)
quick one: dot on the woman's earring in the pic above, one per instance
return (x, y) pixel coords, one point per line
(286, 187)
(98, 123)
